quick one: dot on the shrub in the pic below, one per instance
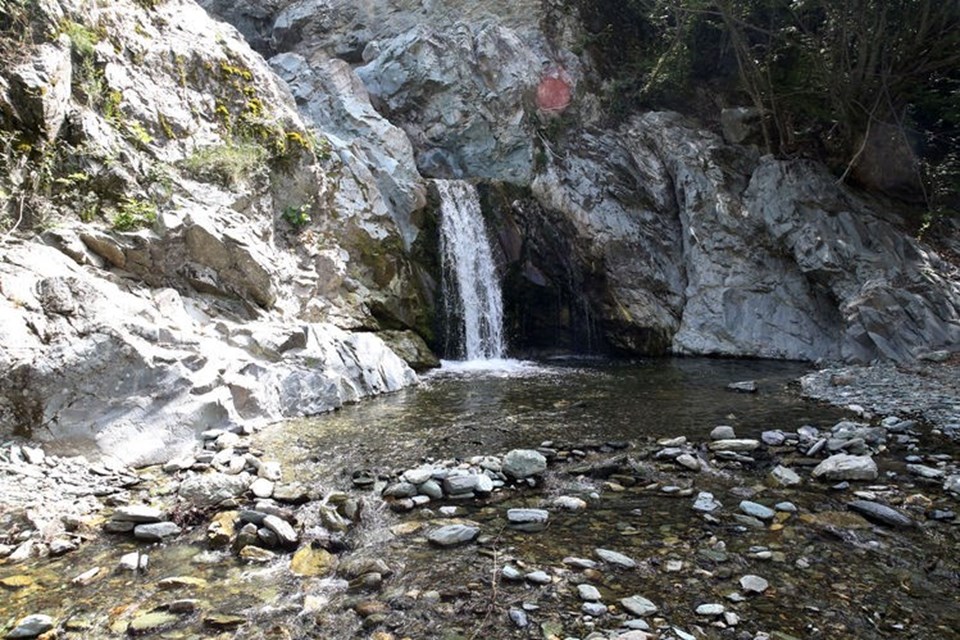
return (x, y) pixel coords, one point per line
(226, 164)
(133, 214)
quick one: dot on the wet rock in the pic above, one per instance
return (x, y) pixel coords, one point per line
(844, 466)
(134, 561)
(511, 573)
(431, 489)
(285, 533)
(152, 622)
(588, 593)
(595, 609)
(222, 528)
(753, 584)
(209, 489)
(253, 553)
(756, 510)
(952, 485)
(688, 461)
(418, 475)
(459, 484)
(181, 582)
(635, 635)
(616, 558)
(290, 493)
(354, 566)
(925, 472)
(400, 490)
(782, 476)
(86, 577)
(223, 620)
(881, 513)
(138, 514)
(156, 531)
(61, 546)
(524, 463)
(569, 503)
(744, 386)
(579, 563)
(638, 606)
(744, 444)
(723, 432)
(530, 520)
(312, 561)
(706, 503)
(453, 534)
(774, 438)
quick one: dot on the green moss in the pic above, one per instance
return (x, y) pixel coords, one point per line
(226, 164)
(297, 216)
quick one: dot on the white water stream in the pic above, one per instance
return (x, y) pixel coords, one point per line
(470, 284)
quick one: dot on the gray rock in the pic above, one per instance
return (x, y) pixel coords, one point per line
(262, 488)
(706, 503)
(569, 503)
(616, 558)
(639, 606)
(952, 484)
(453, 534)
(134, 561)
(746, 386)
(924, 471)
(285, 533)
(783, 477)
(689, 461)
(459, 484)
(734, 445)
(137, 513)
(418, 475)
(580, 563)
(400, 490)
(723, 432)
(588, 592)
(518, 617)
(756, 510)
(431, 489)
(538, 577)
(595, 609)
(881, 513)
(524, 463)
(209, 489)
(511, 573)
(31, 626)
(156, 531)
(531, 520)
(710, 610)
(843, 466)
(753, 584)
(773, 438)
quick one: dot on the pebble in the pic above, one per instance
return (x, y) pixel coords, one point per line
(743, 386)
(152, 622)
(712, 610)
(773, 438)
(688, 461)
(418, 475)
(706, 503)
(579, 563)
(638, 606)
(723, 432)
(784, 477)
(881, 513)
(133, 561)
(511, 573)
(753, 584)
(570, 503)
(616, 558)
(523, 463)
(588, 592)
(538, 577)
(595, 609)
(518, 617)
(156, 531)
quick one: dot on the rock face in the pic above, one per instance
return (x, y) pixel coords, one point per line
(241, 246)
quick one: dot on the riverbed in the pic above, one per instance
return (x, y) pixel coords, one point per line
(609, 431)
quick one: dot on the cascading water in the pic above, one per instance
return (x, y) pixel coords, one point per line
(470, 284)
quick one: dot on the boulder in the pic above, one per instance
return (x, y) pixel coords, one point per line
(844, 466)
(523, 463)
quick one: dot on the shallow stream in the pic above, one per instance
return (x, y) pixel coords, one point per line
(831, 574)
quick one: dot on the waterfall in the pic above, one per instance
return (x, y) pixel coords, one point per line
(470, 285)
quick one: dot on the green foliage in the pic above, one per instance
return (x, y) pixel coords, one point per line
(83, 39)
(297, 216)
(133, 213)
(228, 164)
(138, 134)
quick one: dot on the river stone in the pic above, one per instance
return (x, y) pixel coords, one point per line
(952, 484)
(706, 503)
(925, 472)
(312, 561)
(453, 534)
(773, 438)
(454, 485)
(222, 528)
(570, 503)
(733, 444)
(616, 558)
(757, 510)
(431, 489)
(782, 476)
(579, 563)
(688, 461)
(134, 561)
(400, 490)
(518, 617)
(843, 466)
(635, 635)
(31, 626)
(531, 520)
(156, 531)
(638, 606)
(881, 513)
(484, 484)
(152, 622)
(712, 610)
(262, 488)
(523, 463)
(209, 489)
(138, 513)
(511, 573)
(753, 584)
(744, 386)
(538, 577)
(588, 592)
(418, 475)
(595, 609)
(285, 532)
(179, 582)
(723, 432)
(253, 553)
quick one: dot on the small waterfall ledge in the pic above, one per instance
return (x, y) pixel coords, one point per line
(471, 287)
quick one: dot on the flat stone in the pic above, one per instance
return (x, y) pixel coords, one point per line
(688, 461)
(924, 471)
(751, 583)
(843, 466)
(756, 510)
(773, 438)
(569, 503)
(310, 561)
(881, 513)
(595, 609)
(181, 582)
(530, 520)
(538, 577)
(418, 475)
(137, 513)
(152, 622)
(459, 484)
(31, 626)
(638, 606)
(223, 620)
(744, 386)
(781, 476)
(252, 553)
(400, 490)
(734, 444)
(134, 561)
(579, 563)
(523, 463)
(453, 534)
(616, 558)
(156, 531)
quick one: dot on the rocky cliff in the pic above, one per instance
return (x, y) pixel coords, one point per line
(207, 225)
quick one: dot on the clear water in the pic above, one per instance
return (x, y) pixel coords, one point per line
(471, 286)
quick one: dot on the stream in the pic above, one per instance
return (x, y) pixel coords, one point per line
(830, 572)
